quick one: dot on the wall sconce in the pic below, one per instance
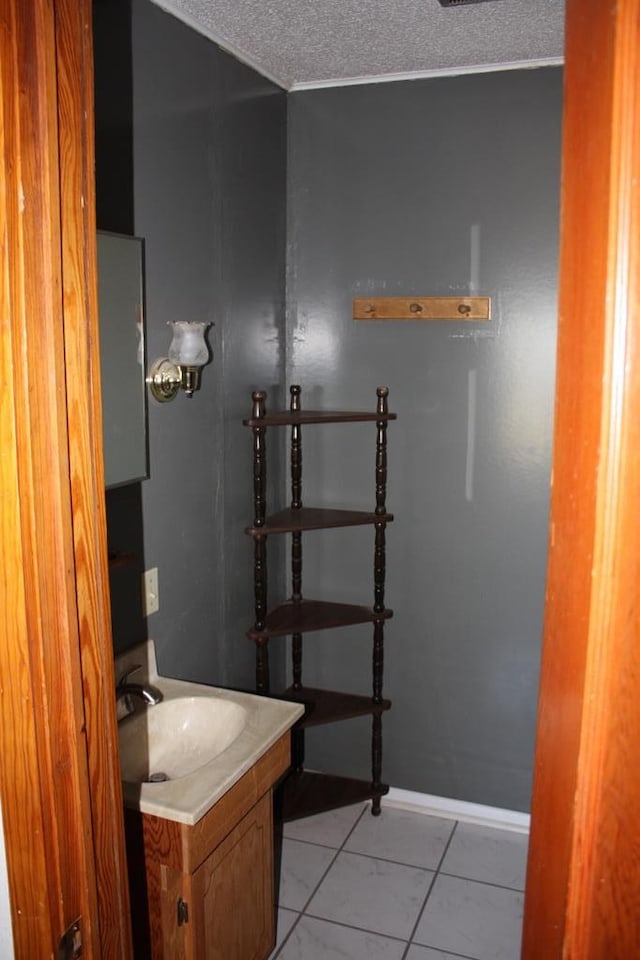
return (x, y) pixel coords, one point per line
(188, 353)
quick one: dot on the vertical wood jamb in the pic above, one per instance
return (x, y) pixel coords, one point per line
(19, 763)
(583, 878)
(43, 767)
(82, 360)
(604, 885)
(26, 861)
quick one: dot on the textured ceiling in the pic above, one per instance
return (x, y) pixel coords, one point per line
(302, 43)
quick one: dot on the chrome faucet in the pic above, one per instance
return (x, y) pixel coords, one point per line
(144, 692)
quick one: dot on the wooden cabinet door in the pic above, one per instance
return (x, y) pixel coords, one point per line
(232, 892)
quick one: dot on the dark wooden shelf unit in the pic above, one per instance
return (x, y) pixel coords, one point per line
(299, 417)
(326, 706)
(305, 616)
(305, 793)
(314, 518)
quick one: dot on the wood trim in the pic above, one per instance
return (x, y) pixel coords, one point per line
(58, 773)
(26, 861)
(602, 910)
(583, 880)
(84, 411)
(43, 763)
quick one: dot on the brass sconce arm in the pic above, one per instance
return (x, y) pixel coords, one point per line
(188, 353)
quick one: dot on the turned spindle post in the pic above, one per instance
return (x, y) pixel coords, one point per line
(296, 536)
(260, 542)
(379, 574)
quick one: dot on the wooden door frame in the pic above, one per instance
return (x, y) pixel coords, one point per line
(59, 778)
(583, 877)
(59, 781)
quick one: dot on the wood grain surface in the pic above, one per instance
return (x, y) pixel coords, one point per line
(52, 495)
(583, 884)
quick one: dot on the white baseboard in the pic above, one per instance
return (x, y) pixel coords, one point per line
(457, 810)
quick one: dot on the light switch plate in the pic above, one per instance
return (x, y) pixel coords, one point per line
(150, 594)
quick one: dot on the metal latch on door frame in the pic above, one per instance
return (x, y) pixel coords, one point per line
(183, 912)
(70, 945)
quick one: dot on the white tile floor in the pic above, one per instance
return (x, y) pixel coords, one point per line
(401, 886)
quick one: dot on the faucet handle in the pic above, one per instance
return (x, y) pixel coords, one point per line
(125, 676)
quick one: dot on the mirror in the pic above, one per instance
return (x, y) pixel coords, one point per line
(122, 358)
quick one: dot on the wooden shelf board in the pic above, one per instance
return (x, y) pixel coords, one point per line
(283, 418)
(328, 706)
(305, 794)
(308, 615)
(316, 518)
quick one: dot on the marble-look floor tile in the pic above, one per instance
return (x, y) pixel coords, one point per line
(314, 939)
(301, 869)
(285, 920)
(426, 953)
(487, 854)
(330, 829)
(372, 894)
(473, 919)
(405, 837)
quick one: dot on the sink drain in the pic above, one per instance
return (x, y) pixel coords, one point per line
(157, 777)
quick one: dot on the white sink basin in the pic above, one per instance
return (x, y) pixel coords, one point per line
(203, 738)
(176, 737)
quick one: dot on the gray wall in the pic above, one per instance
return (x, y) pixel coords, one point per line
(209, 167)
(438, 187)
(426, 187)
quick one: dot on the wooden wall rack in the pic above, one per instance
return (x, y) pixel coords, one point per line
(422, 308)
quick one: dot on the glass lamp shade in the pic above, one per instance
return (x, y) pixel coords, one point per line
(188, 347)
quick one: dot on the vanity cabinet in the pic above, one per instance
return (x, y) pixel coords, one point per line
(205, 891)
(309, 792)
(232, 892)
